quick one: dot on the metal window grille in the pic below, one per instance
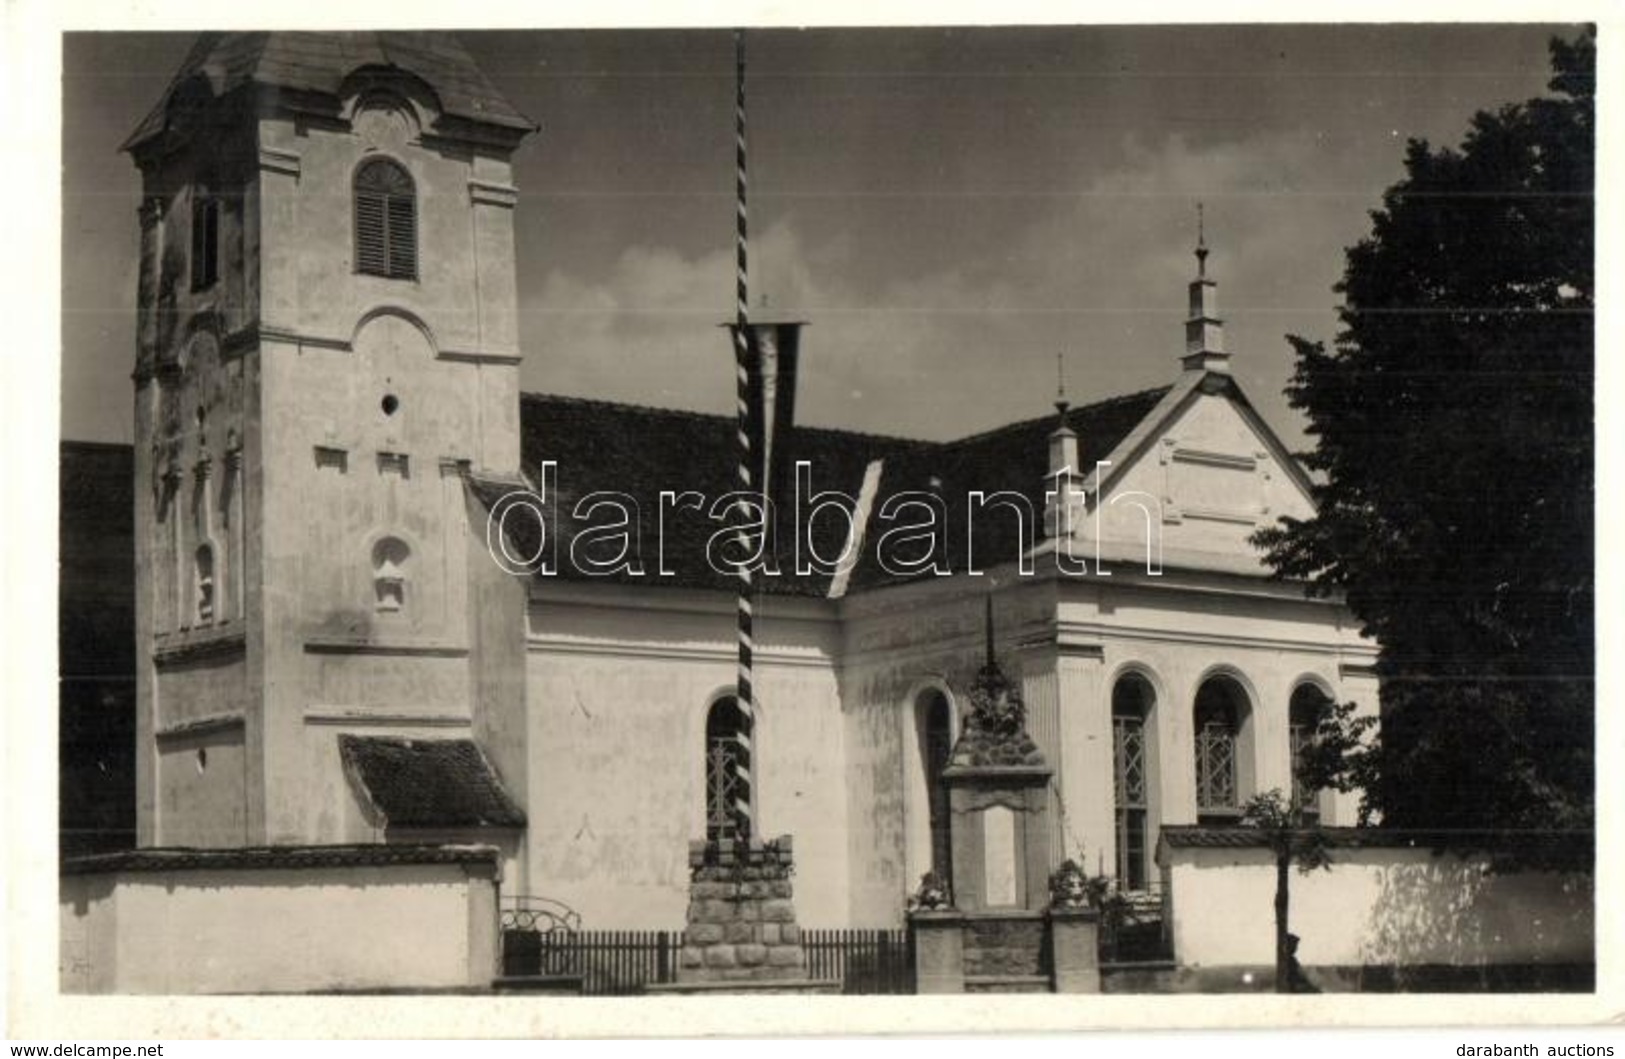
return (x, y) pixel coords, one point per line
(386, 239)
(1216, 764)
(1308, 706)
(1129, 784)
(727, 773)
(1300, 734)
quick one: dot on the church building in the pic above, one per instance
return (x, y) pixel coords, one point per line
(336, 471)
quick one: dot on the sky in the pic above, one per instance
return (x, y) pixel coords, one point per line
(949, 209)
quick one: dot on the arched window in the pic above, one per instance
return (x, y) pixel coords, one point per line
(933, 726)
(203, 583)
(389, 558)
(1223, 764)
(727, 772)
(386, 221)
(1133, 778)
(1309, 706)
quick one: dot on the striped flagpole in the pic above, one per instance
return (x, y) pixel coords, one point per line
(746, 697)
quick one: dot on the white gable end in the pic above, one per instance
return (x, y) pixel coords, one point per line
(1202, 480)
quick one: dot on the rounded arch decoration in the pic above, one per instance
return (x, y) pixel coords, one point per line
(383, 119)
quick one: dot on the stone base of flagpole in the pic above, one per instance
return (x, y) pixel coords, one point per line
(742, 929)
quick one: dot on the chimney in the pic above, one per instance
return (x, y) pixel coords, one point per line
(1204, 331)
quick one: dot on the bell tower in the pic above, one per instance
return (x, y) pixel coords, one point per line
(328, 342)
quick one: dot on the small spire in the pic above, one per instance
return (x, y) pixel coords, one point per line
(1204, 331)
(1201, 244)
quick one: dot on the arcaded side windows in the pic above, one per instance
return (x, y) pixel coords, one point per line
(386, 221)
(727, 772)
(389, 559)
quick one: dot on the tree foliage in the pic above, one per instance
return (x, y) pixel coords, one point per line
(1454, 439)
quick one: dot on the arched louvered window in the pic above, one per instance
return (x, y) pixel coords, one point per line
(386, 221)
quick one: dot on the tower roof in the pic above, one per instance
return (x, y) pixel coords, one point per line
(319, 62)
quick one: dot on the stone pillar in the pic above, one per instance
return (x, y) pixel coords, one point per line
(939, 951)
(741, 914)
(1074, 947)
(1084, 766)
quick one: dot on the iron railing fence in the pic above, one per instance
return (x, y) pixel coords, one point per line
(612, 962)
(864, 961)
(627, 962)
(1134, 927)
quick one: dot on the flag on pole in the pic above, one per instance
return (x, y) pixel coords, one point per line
(772, 353)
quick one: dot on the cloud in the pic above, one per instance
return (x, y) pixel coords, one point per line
(944, 345)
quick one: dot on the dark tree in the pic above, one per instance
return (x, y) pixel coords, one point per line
(1454, 432)
(1281, 822)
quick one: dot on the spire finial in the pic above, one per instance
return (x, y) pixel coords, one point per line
(1061, 403)
(1201, 244)
(1204, 331)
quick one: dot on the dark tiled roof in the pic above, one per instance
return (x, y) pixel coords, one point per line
(1014, 458)
(429, 783)
(642, 451)
(319, 62)
(261, 857)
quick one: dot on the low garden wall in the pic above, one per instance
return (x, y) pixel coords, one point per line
(280, 919)
(1388, 904)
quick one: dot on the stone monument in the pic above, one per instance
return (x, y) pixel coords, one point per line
(994, 929)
